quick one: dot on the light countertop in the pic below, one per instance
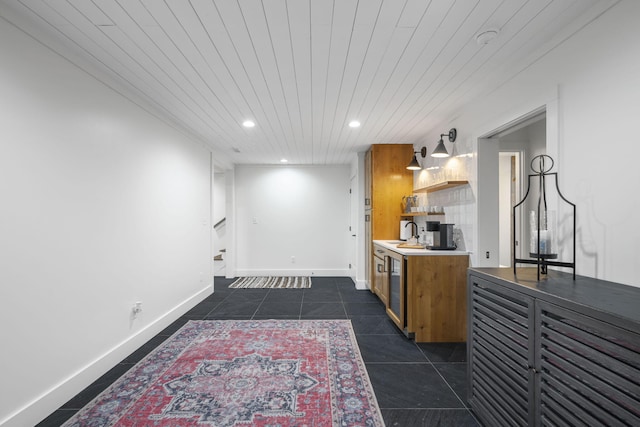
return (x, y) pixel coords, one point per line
(393, 246)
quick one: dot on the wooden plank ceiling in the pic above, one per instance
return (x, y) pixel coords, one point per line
(301, 69)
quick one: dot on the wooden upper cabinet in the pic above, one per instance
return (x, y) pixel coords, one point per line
(390, 181)
(367, 180)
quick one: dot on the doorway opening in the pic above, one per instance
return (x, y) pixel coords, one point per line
(219, 217)
(520, 145)
(504, 156)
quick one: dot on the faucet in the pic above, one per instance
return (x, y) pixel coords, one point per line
(414, 231)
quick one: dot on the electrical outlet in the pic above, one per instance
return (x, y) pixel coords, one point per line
(487, 255)
(293, 260)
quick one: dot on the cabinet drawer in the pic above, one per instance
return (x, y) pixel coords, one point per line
(381, 252)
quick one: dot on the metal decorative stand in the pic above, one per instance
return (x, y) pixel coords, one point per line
(543, 245)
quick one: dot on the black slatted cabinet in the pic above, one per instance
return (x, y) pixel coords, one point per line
(554, 352)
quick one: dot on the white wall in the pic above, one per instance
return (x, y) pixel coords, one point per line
(292, 211)
(591, 86)
(102, 205)
(487, 237)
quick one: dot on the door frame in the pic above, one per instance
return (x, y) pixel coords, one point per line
(486, 236)
(353, 228)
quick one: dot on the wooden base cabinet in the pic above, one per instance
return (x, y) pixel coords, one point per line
(555, 352)
(424, 295)
(437, 297)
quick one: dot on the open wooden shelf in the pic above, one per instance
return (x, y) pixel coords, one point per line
(439, 186)
(420, 214)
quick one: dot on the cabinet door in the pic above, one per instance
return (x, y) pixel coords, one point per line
(589, 370)
(367, 180)
(501, 356)
(437, 298)
(390, 181)
(379, 278)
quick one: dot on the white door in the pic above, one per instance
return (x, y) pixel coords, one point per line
(509, 194)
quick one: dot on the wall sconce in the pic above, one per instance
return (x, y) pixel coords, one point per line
(441, 150)
(414, 165)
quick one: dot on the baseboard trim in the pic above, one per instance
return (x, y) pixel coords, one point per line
(292, 272)
(49, 401)
(362, 285)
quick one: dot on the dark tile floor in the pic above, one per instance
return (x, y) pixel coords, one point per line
(416, 384)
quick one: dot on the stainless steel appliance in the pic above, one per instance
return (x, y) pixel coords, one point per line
(433, 227)
(397, 291)
(442, 237)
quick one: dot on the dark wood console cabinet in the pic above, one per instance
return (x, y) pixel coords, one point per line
(554, 352)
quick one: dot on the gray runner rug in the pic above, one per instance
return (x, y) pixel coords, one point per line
(293, 282)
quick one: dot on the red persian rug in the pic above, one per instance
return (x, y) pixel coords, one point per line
(264, 373)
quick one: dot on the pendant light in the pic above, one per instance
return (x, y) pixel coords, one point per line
(441, 150)
(414, 165)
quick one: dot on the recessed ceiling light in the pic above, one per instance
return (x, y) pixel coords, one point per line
(248, 124)
(354, 124)
(283, 160)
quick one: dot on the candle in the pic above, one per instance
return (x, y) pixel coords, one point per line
(544, 242)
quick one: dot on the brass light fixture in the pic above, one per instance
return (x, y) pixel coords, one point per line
(414, 165)
(441, 150)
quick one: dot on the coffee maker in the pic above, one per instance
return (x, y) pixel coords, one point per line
(433, 228)
(440, 236)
